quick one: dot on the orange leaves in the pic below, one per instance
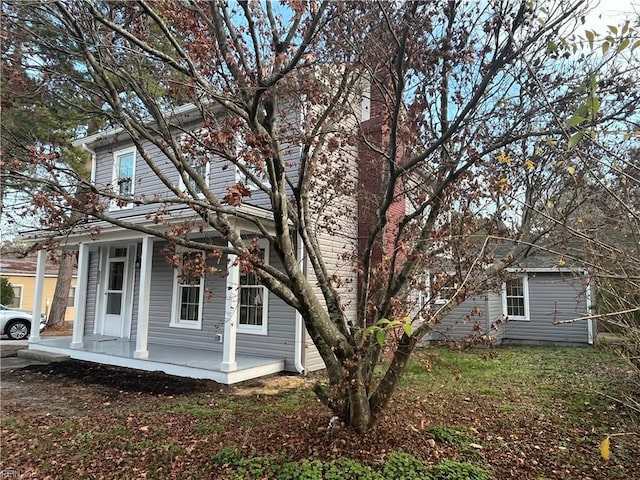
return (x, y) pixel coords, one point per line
(236, 193)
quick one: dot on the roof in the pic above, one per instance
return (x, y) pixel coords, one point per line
(538, 258)
(25, 266)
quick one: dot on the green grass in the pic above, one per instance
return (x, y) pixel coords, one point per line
(465, 403)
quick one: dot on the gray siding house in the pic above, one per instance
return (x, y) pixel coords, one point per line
(538, 303)
(133, 311)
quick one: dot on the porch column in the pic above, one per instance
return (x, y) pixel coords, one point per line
(231, 317)
(144, 297)
(34, 337)
(81, 296)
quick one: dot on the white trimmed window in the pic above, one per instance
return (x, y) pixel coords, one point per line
(515, 298)
(244, 153)
(253, 300)
(448, 287)
(17, 297)
(198, 157)
(71, 301)
(188, 294)
(123, 177)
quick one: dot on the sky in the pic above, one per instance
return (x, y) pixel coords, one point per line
(611, 12)
(604, 13)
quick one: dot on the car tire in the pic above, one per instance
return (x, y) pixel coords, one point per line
(18, 329)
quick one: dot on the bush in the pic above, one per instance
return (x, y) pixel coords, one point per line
(451, 470)
(450, 435)
(404, 466)
(347, 469)
(6, 291)
(304, 470)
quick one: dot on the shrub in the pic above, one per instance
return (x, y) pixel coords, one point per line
(452, 470)
(227, 456)
(347, 469)
(6, 291)
(304, 470)
(453, 436)
(404, 466)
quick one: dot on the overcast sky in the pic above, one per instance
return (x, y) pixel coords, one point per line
(611, 12)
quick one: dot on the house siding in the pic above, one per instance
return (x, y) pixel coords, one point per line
(278, 343)
(458, 324)
(552, 298)
(92, 292)
(494, 314)
(135, 301)
(335, 208)
(280, 339)
(221, 173)
(161, 304)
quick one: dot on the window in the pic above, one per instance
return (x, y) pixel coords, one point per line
(123, 181)
(251, 159)
(188, 291)
(444, 287)
(515, 298)
(17, 297)
(253, 301)
(71, 301)
(198, 157)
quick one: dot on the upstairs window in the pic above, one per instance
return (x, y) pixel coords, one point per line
(515, 298)
(198, 157)
(123, 179)
(251, 159)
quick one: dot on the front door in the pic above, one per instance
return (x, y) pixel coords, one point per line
(115, 293)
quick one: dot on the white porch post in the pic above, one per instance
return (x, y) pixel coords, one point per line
(37, 296)
(81, 297)
(144, 297)
(231, 317)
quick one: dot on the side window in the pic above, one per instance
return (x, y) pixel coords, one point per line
(123, 178)
(188, 292)
(71, 301)
(444, 287)
(17, 297)
(515, 298)
(253, 301)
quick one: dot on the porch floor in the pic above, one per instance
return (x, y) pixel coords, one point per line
(180, 361)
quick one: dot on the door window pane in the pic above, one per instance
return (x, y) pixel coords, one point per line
(114, 303)
(116, 275)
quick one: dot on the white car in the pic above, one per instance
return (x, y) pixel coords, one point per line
(16, 324)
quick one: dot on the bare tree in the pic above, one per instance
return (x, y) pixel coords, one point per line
(477, 111)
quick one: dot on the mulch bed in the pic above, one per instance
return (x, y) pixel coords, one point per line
(543, 444)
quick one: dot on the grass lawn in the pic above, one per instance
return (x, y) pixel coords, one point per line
(503, 413)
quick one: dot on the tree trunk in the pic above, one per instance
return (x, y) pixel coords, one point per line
(360, 418)
(61, 294)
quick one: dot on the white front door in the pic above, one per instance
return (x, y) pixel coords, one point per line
(116, 293)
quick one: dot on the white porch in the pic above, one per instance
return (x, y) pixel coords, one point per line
(180, 361)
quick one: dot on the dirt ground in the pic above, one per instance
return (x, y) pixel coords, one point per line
(72, 405)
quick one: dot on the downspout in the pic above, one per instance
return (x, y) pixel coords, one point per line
(299, 324)
(93, 161)
(589, 309)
